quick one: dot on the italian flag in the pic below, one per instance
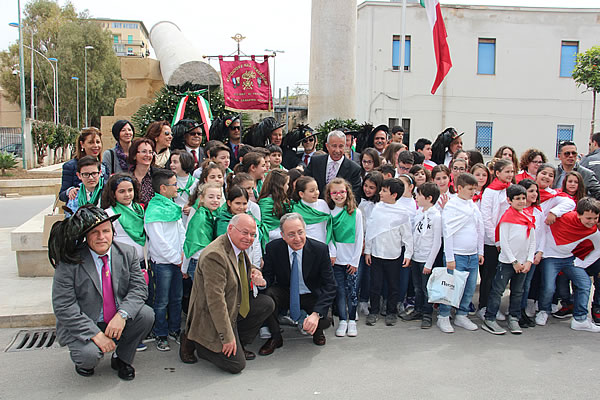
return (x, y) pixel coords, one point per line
(205, 114)
(440, 45)
(180, 110)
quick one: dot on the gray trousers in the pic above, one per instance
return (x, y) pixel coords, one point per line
(87, 355)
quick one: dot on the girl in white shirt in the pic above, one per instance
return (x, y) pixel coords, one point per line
(482, 174)
(348, 235)
(440, 174)
(182, 163)
(407, 200)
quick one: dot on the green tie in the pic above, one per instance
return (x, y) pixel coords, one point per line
(245, 306)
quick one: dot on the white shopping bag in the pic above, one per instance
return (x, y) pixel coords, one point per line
(446, 288)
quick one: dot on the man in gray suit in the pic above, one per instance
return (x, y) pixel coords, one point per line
(98, 292)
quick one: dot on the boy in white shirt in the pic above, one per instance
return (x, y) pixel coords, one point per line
(427, 239)
(462, 224)
(516, 233)
(388, 229)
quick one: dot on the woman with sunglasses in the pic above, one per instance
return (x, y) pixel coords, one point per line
(160, 133)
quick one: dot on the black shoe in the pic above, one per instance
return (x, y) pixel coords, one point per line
(426, 321)
(525, 321)
(564, 312)
(413, 316)
(125, 371)
(84, 371)
(391, 319)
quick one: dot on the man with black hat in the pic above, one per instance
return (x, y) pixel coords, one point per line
(379, 138)
(187, 134)
(303, 134)
(98, 292)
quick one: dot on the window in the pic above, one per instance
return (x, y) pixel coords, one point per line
(568, 54)
(116, 25)
(129, 51)
(392, 122)
(129, 39)
(563, 132)
(115, 38)
(483, 138)
(486, 57)
(130, 26)
(406, 127)
(396, 53)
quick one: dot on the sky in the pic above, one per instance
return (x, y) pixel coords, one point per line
(266, 24)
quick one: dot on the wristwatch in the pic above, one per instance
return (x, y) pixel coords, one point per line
(515, 262)
(123, 314)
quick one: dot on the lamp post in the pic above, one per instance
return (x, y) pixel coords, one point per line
(22, 87)
(54, 59)
(53, 78)
(85, 49)
(76, 79)
(32, 111)
(274, 55)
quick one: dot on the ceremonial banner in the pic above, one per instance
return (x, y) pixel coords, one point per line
(246, 84)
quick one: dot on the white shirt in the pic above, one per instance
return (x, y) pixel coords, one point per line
(366, 207)
(438, 205)
(427, 236)
(468, 240)
(565, 251)
(254, 209)
(349, 253)
(122, 237)
(514, 243)
(493, 206)
(303, 288)
(410, 205)
(310, 156)
(165, 241)
(388, 245)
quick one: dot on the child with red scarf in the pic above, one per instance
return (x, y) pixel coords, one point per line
(516, 234)
(572, 245)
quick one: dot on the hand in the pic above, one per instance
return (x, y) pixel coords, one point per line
(257, 278)
(230, 348)
(550, 219)
(406, 263)
(537, 258)
(115, 327)
(351, 270)
(311, 323)
(105, 344)
(443, 200)
(426, 271)
(186, 209)
(481, 260)
(518, 267)
(185, 276)
(73, 193)
(332, 260)
(451, 265)
(368, 259)
(526, 267)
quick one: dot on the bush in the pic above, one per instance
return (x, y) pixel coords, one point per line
(7, 161)
(332, 125)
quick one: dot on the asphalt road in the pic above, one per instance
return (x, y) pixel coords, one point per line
(14, 211)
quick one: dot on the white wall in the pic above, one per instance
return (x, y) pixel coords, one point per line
(526, 99)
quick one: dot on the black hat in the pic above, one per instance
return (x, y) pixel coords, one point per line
(187, 125)
(441, 144)
(259, 135)
(269, 124)
(302, 132)
(117, 126)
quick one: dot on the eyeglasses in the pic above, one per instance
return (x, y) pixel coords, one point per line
(167, 133)
(195, 133)
(341, 192)
(90, 174)
(569, 153)
(537, 162)
(146, 152)
(310, 139)
(245, 232)
(170, 184)
(235, 128)
(401, 168)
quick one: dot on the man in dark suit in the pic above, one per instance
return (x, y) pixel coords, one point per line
(98, 292)
(326, 167)
(299, 277)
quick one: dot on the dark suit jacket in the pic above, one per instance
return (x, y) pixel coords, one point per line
(216, 295)
(349, 170)
(316, 270)
(233, 160)
(77, 297)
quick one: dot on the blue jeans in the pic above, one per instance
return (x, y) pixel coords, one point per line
(469, 264)
(527, 285)
(168, 294)
(581, 280)
(345, 292)
(504, 273)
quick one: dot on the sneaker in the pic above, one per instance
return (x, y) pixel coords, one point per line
(401, 309)
(426, 321)
(141, 347)
(410, 316)
(513, 326)
(500, 316)
(526, 322)
(342, 328)
(555, 308)
(596, 315)
(585, 325)
(444, 324)
(565, 312)
(286, 320)
(531, 308)
(363, 307)
(352, 331)
(472, 309)
(150, 338)
(162, 344)
(371, 319)
(481, 313)
(492, 327)
(391, 319)
(175, 336)
(541, 318)
(464, 322)
(265, 333)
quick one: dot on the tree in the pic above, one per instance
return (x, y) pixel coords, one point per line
(63, 34)
(587, 73)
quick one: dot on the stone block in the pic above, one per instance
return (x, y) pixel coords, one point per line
(130, 105)
(140, 68)
(35, 263)
(106, 124)
(143, 88)
(29, 187)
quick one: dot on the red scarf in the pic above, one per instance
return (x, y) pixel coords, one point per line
(529, 210)
(477, 197)
(512, 216)
(569, 229)
(497, 185)
(565, 194)
(545, 195)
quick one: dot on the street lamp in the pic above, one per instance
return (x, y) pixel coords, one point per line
(274, 55)
(76, 79)
(16, 25)
(22, 88)
(85, 49)
(54, 59)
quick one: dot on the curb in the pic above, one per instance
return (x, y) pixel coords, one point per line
(27, 320)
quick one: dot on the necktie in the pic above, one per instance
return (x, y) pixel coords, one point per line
(109, 308)
(295, 289)
(306, 158)
(245, 306)
(195, 156)
(235, 150)
(330, 172)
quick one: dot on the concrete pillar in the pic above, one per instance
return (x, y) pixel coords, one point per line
(332, 89)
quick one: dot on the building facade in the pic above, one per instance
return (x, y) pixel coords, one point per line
(510, 83)
(130, 38)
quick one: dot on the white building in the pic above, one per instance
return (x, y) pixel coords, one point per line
(510, 81)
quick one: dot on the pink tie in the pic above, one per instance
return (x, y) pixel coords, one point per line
(109, 308)
(330, 172)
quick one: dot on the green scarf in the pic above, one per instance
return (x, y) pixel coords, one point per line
(344, 227)
(313, 216)
(162, 209)
(132, 221)
(200, 231)
(222, 220)
(259, 185)
(269, 221)
(188, 185)
(82, 198)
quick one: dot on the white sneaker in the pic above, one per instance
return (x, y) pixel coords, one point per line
(444, 324)
(342, 328)
(585, 325)
(352, 331)
(555, 308)
(363, 307)
(531, 308)
(541, 318)
(265, 333)
(464, 322)
(481, 313)
(500, 316)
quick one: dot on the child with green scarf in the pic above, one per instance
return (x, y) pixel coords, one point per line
(182, 163)
(92, 183)
(274, 204)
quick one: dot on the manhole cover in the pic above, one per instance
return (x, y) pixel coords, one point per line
(33, 339)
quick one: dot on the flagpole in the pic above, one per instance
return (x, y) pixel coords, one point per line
(402, 51)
